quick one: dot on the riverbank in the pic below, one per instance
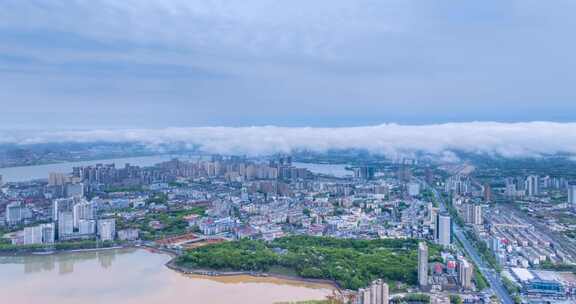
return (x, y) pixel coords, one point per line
(49, 251)
(173, 265)
(77, 246)
(144, 272)
(77, 160)
(26, 173)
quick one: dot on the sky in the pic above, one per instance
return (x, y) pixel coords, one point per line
(150, 64)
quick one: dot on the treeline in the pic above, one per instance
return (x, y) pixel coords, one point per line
(411, 298)
(483, 249)
(351, 263)
(74, 245)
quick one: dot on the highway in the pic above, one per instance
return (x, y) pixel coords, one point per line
(490, 274)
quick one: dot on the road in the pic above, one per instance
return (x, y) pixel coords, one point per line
(490, 274)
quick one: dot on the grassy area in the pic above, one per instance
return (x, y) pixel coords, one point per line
(351, 263)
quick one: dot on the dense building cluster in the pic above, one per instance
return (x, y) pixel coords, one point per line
(178, 204)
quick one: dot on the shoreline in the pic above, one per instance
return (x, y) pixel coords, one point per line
(216, 273)
(24, 252)
(171, 264)
(90, 159)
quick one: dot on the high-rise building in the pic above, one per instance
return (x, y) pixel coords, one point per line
(572, 195)
(48, 233)
(61, 205)
(422, 264)
(14, 213)
(487, 192)
(465, 273)
(444, 229)
(84, 211)
(385, 294)
(494, 245)
(40, 234)
(33, 235)
(432, 214)
(377, 293)
(404, 173)
(380, 292)
(75, 190)
(473, 214)
(511, 189)
(86, 227)
(107, 229)
(532, 185)
(65, 225)
(56, 179)
(429, 176)
(364, 172)
(413, 189)
(458, 184)
(364, 296)
(477, 215)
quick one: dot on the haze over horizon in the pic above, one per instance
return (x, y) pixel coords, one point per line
(175, 63)
(510, 140)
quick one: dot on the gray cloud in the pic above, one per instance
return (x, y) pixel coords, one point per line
(156, 63)
(528, 139)
(252, 26)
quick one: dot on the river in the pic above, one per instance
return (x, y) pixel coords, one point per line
(337, 170)
(134, 276)
(27, 173)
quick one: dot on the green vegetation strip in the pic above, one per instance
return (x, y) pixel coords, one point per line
(351, 263)
(479, 279)
(484, 251)
(412, 298)
(9, 248)
(512, 289)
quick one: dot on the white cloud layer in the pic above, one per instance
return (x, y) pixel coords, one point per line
(528, 139)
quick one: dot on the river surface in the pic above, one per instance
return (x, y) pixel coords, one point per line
(337, 170)
(27, 173)
(134, 276)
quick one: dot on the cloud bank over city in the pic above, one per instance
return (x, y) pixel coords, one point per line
(530, 139)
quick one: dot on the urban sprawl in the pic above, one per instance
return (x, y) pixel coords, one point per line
(496, 237)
